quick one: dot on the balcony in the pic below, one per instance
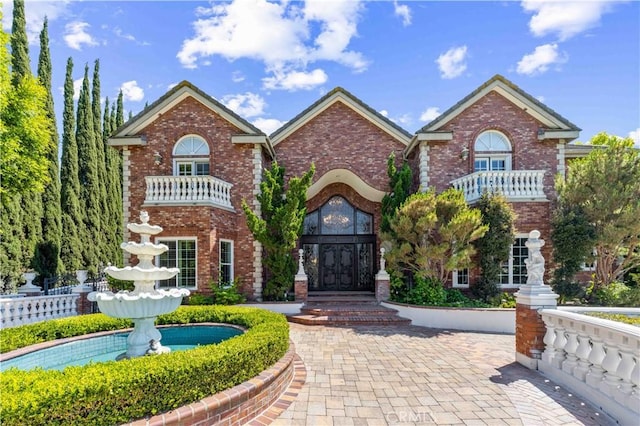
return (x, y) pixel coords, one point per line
(515, 185)
(188, 190)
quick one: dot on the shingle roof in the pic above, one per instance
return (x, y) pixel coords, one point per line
(510, 85)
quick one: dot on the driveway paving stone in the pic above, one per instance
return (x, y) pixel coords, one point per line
(408, 375)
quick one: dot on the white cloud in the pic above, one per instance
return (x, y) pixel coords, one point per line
(245, 104)
(541, 59)
(295, 80)
(77, 86)
(286, 36)
(268, 125)
(34, 11)
(540, 98)
(564, 19)
(237, 76)
(131, 91)
(403, 119)
(452, 62)
(118, 31)
(635, 135)
(403, 11)
(76, 35)
(384, 113)
(431, 113)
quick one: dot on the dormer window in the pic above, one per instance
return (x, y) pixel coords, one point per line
(492, 151)
(191, 157)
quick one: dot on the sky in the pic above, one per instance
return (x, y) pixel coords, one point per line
(409, 60)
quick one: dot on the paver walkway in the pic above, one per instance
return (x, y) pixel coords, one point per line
(404, 375)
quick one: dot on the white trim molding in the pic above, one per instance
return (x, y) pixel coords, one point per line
(349, 178)
(561, 159)
(424, 166)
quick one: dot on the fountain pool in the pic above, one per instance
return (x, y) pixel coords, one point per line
(103, 348)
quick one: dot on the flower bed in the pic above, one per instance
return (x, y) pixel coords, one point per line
(119, 392)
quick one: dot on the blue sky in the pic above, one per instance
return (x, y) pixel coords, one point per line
(410, 60)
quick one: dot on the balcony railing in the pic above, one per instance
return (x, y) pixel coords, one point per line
(513, 184)
(167, 190)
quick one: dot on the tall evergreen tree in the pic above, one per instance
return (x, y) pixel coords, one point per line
(120, 110)
(114, 200)
(47, 259)
(104, 251)
(20, 65)
(31, 203)
(88, 176)
(72, 213)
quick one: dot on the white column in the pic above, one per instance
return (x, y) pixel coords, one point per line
(424, 166)
(561, 158)
(126, 194)
(257, 246)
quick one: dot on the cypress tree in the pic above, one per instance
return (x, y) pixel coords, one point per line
(104, 251)
(88, 176)
(114, 230)
(72, 214)
(31, 203)
(47, 259)
(20, 65)
(120, 111)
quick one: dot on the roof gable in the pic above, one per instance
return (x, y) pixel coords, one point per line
(341, 95)
(548, 117)
(172, 98)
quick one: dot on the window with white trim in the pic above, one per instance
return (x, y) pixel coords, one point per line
(514, 271)
(191, 157)
(460, 278)
(492, 151)
(182, 254)
(226, 262)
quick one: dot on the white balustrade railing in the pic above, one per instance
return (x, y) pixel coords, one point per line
(513, 184)
(595, 358)
(188, 190)
(27, 310)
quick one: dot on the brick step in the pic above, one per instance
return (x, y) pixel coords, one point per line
(341, 297)
(354, 320)
(346, 310)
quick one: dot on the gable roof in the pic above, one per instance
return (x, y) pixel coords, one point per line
(126, 134)
(555, 125)
(339, 94)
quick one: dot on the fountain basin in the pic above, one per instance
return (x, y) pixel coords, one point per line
(143, 305)
(136, 273)
(144, 248)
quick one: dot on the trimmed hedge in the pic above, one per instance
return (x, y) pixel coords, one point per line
(117, 392)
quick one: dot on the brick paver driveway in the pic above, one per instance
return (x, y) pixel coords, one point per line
(401, 375)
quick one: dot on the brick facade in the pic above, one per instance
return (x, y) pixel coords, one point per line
(339, 135)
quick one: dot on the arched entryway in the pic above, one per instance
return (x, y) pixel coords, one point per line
(339, 246)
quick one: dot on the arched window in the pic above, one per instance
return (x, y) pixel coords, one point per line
(191, 156)
(492, 151)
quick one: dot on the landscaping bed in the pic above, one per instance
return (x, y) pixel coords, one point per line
(117, 392)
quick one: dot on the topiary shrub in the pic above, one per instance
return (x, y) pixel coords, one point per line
(118, 392)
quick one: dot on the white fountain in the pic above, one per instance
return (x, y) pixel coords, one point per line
(145, 302)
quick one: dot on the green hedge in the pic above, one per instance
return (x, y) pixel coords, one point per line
(117, 392)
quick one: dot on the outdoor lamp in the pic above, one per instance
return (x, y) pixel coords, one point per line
(464, 154)
(157, 158)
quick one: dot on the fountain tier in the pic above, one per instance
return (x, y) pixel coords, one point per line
(145, 302)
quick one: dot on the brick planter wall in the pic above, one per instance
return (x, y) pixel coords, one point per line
(235, 406)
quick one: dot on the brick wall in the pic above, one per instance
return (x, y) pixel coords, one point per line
(340, 138)
(229, 162)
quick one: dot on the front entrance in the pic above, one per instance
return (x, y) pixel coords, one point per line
(339, 247)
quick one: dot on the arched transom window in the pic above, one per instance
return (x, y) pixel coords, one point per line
(191, 156)
(492, 151)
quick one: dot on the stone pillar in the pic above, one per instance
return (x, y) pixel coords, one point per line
(530, 298)
(29, 289)
(383, 281)
(301, 281)
(83, 305)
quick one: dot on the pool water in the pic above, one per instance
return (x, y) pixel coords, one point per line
(107, 348)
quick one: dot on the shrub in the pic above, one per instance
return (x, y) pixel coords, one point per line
(117, 392)
(485, 289)
(568, 290)
(426, 291)
(227, 294)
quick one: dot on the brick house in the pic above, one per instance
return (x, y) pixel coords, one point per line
(189, 161)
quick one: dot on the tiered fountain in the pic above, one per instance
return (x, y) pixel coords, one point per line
(145, 302)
